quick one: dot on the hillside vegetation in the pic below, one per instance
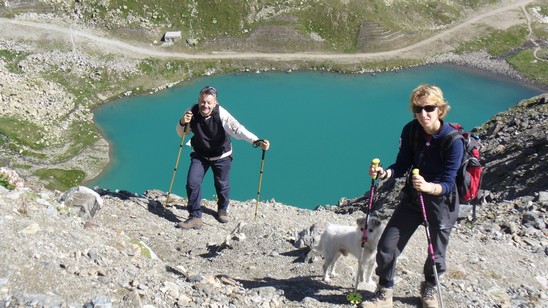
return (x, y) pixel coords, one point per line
(335, 22)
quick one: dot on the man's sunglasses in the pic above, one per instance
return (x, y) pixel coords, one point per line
(209, 91)
(427, 108)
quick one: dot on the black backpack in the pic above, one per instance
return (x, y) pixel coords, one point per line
(471, 171)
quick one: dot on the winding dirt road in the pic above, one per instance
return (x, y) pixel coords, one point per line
(13, 28)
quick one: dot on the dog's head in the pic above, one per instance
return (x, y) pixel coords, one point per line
(373, 222)
(374, 226)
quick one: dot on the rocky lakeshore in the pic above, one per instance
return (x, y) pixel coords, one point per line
(121, 249)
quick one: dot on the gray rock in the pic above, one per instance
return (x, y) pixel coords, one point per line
(85, 201)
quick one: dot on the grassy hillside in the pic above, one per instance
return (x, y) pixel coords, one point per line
(337, 23)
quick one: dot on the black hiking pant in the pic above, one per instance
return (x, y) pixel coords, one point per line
(442, 213)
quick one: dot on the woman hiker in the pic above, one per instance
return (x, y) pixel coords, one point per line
(420, 148)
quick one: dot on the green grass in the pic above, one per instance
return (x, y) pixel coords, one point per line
(22, 166)
(80, 135)
(525, 62)
(144, 250)
(152, 66)
(204, 18)
(85, 89)
(20, 136)
(540, 31)
(4, 181)
(21, 133)
(218, 18)
(336, 21)
(498, 42)
(12, 59)
(59, 179)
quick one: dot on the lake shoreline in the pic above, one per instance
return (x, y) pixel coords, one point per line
(345, 83)
(479, 62)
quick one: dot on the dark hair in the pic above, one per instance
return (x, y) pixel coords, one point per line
(208, 90)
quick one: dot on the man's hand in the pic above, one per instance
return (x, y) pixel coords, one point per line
(186, 118)
(264, 144)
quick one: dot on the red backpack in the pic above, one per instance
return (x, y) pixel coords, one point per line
(471, 171)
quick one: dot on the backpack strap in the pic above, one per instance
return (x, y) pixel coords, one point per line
(448, 141)
(414, 137)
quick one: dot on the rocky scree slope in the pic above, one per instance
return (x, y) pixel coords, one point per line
(86, 248)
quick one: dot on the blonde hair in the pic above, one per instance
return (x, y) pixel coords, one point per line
(434, 95)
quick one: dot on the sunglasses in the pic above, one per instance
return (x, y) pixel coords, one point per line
(208, 90)
(427, 108)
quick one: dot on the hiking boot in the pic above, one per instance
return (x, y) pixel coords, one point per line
(429, 295)
(222, 216)
(381, 299)
(191, 223)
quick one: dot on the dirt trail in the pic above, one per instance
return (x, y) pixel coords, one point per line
(11, 27)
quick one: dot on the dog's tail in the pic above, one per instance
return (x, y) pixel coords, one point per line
(318, 246)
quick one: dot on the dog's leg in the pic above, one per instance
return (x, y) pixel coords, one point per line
(370, 264)
(326, 267)
(337, 256)
(329, 266)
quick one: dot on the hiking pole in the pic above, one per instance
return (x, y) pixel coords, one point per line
(354, 297)
(260, 180)
(186, 130)
(429, 239)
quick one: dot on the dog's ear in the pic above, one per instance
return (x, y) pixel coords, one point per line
(361, 223)
(375, 222)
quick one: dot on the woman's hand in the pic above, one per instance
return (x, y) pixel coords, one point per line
(377, 171)
(418, 182)
(421, 185)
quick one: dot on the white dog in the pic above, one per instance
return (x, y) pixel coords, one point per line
(339, 240)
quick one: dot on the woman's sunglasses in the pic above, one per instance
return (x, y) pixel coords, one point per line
(427, 108)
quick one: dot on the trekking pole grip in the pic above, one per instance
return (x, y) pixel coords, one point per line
(415, 172)
(375, 162)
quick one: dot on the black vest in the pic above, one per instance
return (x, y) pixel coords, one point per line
(210, 139)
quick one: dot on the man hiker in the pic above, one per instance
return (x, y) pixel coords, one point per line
(212, 126)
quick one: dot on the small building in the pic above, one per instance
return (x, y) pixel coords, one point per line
(172, 36)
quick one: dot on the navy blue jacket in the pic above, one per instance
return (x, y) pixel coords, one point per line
(428, 157)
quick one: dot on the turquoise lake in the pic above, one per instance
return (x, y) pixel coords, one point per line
(324, 129)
